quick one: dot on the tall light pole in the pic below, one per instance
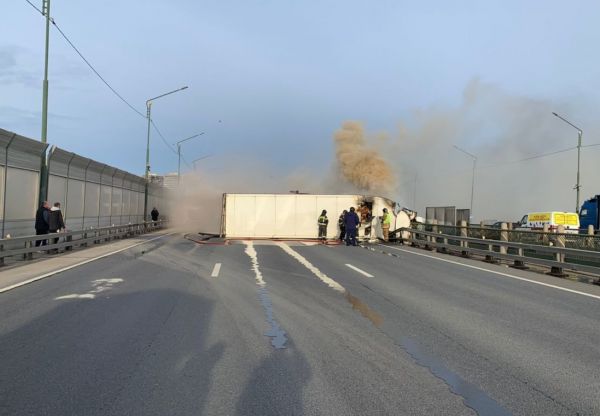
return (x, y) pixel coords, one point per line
(46, 13)
(579, 134)
(179, 154)
(473, 176)
(148, 116)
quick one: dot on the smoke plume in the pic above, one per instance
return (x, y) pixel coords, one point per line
(360, 164)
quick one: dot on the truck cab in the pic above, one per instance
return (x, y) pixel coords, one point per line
(589, 214)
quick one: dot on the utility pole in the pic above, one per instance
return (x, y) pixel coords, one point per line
(43, 187)
(179, 154)
(472, 177)
(148, 116)
(579, 136)
(46, 12)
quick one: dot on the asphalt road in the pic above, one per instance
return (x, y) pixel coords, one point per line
(176, 328)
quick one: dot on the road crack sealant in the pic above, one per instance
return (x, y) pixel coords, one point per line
(275, 332)
(472, 396)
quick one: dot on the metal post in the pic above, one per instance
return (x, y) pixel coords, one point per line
(147, 174)
(580, 133)
(178, 163)
(579, 136)
(472, 189)
(472, 156)
(4, 187)
(100, 193)
(46, 12)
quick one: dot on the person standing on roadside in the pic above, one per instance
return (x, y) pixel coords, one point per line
(41, 222)
(386, 222)
(154, 214)
(342, 225)
(323, 221)
(55, 222)
(352, 222)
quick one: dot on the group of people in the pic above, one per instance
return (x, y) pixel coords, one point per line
(349, 221)
(48, 220)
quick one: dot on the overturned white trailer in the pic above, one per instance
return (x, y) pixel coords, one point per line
(294, 216)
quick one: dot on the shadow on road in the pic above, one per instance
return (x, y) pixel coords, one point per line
(137, 353)
(276, 386)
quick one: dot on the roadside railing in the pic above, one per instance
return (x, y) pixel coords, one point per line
(555, 250)
(581, 241)
(25, 247)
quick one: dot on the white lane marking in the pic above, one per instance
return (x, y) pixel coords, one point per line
(251, 252)
(64, 269)
(324, 278)
(77, 296)
(99, 285)
(359, 270)
(276, 333)
(216, 270)
(498, 273)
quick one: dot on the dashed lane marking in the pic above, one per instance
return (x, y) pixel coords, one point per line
(216, 270)
(359, 270)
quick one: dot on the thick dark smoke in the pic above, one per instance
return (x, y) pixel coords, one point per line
(360, 164)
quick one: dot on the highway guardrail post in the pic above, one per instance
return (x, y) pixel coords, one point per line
(503, 237)
(520, 264)
(1, 256)
(464, 233)
(546, 237)
(434, 229)
(560, 242)
(559, 256)
(590, 239)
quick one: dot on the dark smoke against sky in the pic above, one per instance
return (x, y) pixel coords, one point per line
(359, 164)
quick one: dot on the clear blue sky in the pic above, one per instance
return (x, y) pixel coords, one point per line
(281, 75)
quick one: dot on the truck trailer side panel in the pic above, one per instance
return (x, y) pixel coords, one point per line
(282, 216)
(295, 215)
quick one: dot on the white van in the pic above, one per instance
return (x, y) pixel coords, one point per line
(535, 221)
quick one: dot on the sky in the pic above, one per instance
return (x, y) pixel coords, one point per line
(270, 82)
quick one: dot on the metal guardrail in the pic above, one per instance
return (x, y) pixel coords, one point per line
(581, 240)
(25, 246)
(546, 249)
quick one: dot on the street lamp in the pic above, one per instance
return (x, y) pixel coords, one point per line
(148, 116)
(46, 13)
(179, 154)
(472, 178)
(580, 134)
(198, 160)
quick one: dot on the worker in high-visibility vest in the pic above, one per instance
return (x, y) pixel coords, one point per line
(386, 222)
(323, 221)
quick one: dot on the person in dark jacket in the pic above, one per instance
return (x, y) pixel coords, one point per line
(323, 221)
(352, 222)
(342, 225)
(41, 222)
(154, 214)
(55, 221)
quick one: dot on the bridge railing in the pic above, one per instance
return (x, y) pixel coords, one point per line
(555, 250)
(25, 247)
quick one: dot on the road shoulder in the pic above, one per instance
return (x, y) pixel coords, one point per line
(30, 272)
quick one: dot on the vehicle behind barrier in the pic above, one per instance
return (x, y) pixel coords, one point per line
(535, 221)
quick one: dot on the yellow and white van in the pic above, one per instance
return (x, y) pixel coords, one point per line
(535, 221)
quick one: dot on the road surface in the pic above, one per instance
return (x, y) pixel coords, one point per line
(172, 327)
